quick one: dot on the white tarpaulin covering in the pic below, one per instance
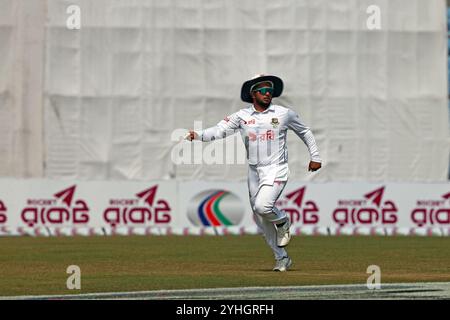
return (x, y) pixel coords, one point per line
(21, 88)
(115, 90)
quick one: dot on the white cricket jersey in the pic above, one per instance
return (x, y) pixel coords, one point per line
(264, 136)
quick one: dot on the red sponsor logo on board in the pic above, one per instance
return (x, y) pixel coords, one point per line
(300, 211)
(144, 209)
(60, 210)
(3, 209)
(432, 212)
(370, 210)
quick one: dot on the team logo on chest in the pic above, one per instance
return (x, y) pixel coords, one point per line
(275, 122)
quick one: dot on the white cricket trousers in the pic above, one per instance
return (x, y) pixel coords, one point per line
(262, 201)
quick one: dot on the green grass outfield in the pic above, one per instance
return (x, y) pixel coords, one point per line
(32, 266)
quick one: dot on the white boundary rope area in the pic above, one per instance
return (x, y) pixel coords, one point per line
(43, 231)
(430, 290)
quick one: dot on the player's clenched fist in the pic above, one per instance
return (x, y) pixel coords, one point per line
(192, 135)
(314, 166)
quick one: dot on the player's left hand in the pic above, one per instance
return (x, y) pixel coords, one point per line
(314, 166)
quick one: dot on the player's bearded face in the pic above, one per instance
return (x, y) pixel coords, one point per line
(263, 97)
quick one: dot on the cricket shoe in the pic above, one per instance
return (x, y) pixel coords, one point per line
(283, 264)
(283, 234)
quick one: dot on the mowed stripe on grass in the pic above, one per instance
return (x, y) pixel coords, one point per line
(32, 266)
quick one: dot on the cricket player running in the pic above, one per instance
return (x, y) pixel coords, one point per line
(263, 127)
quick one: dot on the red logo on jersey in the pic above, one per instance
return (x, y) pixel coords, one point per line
(265, 136)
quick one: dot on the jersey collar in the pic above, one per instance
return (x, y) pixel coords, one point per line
(270, 108)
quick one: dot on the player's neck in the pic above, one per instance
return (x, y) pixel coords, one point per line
(260, 108)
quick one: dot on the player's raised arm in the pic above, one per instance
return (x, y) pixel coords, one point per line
(224, 128)
(304, 133)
